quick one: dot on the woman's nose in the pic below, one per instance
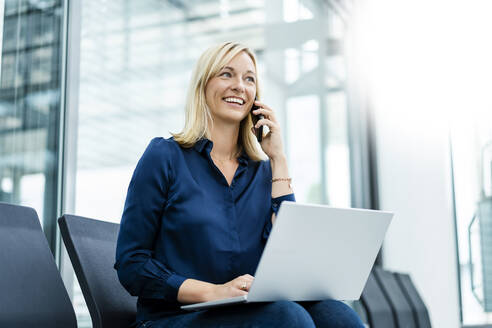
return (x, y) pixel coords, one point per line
(238, 85)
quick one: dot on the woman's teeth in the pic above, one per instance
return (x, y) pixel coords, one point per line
(234, 100)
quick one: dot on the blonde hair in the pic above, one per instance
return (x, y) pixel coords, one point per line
(197, 111)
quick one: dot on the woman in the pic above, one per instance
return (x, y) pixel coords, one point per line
(201, 205)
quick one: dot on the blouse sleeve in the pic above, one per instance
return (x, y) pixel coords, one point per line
(276, 202)
(138, 271)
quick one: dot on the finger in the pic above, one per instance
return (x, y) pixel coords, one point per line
(262, 105)
(245, 286)
(242, 286)
(271, 125)
(268, 113)
(237, 292)
(248, 277)
(259, 103)
(243, 280)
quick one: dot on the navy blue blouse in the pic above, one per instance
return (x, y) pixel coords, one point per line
(182, 220)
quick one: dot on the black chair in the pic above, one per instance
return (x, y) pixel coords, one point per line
(402, 310)
(377, 308)
(91, 245)
(32, 291)
(420, 313)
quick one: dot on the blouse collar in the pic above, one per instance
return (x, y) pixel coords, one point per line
(206, 145)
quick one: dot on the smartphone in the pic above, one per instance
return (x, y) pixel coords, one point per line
(256, 118)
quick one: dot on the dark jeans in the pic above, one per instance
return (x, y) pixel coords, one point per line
(283, 314)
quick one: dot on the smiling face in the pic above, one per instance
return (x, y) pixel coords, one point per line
(231, 92)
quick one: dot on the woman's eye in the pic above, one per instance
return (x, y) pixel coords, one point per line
(226, 74)
(250, 79)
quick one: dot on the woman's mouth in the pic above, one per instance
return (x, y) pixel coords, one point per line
(234, 101)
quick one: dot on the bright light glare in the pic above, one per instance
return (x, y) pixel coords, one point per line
(428, 60)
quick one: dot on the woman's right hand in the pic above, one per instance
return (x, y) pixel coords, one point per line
(236, 287)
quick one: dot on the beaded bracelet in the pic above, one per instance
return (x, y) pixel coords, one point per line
(289, 180)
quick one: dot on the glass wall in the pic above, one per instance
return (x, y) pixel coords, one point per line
(30, 75)
(472, 168)
(136, 59)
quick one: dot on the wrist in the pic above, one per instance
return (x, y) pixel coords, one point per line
(278, 158)
(210, 293)
(195, 291)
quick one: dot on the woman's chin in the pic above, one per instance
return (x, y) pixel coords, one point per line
(232, 118)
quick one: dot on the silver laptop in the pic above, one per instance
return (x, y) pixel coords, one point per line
(315, 252)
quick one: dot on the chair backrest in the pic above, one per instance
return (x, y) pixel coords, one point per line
(378, 309)
(91, 245)
(401, 308)
(32, 294)
(420, 312)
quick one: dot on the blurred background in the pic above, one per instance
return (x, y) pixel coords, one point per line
(383, 104)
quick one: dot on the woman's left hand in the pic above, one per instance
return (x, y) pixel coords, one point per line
(272, 142)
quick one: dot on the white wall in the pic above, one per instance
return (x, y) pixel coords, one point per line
(426, 62)
(422, 69)
(415, 183)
